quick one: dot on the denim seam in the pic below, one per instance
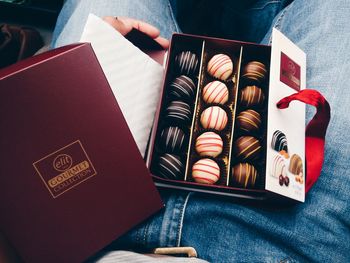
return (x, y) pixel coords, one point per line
(278, 22)
(179, 232)
(173, 18)
(145, 233)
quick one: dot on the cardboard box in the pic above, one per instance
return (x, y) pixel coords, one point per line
(72, 177)
(286, 74)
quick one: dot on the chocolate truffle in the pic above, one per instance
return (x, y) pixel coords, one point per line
(249, 121)
(187, 62)
(244, 175)
(220, 66)
(278, 167)
(170, 166)
(178, 111)
(252, 96)
(255, 71)
(206, 171)
(296, 165)
(172, 139)
(247, 148)
(214, 118)
(182, 88)
(215, 92)
(279, 143)
(209, 144)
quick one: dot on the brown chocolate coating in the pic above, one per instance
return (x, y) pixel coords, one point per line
(255, 71)
(249, 121)
(244, 175)
(296, 165)
(247, 148)
(252, 96)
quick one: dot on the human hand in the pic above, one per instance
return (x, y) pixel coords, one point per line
(125, 24)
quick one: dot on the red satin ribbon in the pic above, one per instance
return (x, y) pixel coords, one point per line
(315, 131)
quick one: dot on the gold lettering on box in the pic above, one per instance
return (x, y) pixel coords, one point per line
(65, 168)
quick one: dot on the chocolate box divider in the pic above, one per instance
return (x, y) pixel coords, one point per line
(236, 85)
(194, 113)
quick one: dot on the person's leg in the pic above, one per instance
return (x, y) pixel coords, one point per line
(232, 19)
(318, 230)
(74, 13)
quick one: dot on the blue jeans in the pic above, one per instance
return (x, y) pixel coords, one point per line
(223, 230)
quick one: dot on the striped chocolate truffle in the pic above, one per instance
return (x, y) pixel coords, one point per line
(178, 111)
(247, 148)
(187, 62)
(170, 166)
(278, 167)
(252, 96)
(172, 139)
(209, 144)
(215, 92)
(206, 171)
(220, 66)
(279, 142)
(214, 118)
(296, 165)
(244, 175)
(182, 88)
(255, 71)
(249, 121)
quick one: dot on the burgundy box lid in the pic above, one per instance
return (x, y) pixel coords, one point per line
(72, 179)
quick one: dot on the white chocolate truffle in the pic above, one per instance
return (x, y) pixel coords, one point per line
(214, 118)
(209, 144)
(278, 167)
(220, 66)
(206, 171)
(215, 92)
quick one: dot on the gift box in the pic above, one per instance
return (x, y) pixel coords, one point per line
(218, 129)
(72, 177)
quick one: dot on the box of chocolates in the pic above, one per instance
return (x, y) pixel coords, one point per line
(218, 130)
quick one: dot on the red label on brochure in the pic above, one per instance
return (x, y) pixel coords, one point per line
(290, 72)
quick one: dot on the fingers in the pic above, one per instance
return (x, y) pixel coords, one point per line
(144, 27)
(118, 25)
(125, 24)
(163, 42)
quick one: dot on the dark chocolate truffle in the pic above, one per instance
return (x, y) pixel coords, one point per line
(252, 96)
(178, 111)
(249, 121)
(187, 63)
(170, 166)
(182, 88)
(279, 143)
(172, 139)
(296, 165)
(247, 148)
(255, 71)
(244, 175)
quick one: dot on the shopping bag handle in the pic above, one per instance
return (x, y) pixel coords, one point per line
(315, 131)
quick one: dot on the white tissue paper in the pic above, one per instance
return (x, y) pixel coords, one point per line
(134, 77)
